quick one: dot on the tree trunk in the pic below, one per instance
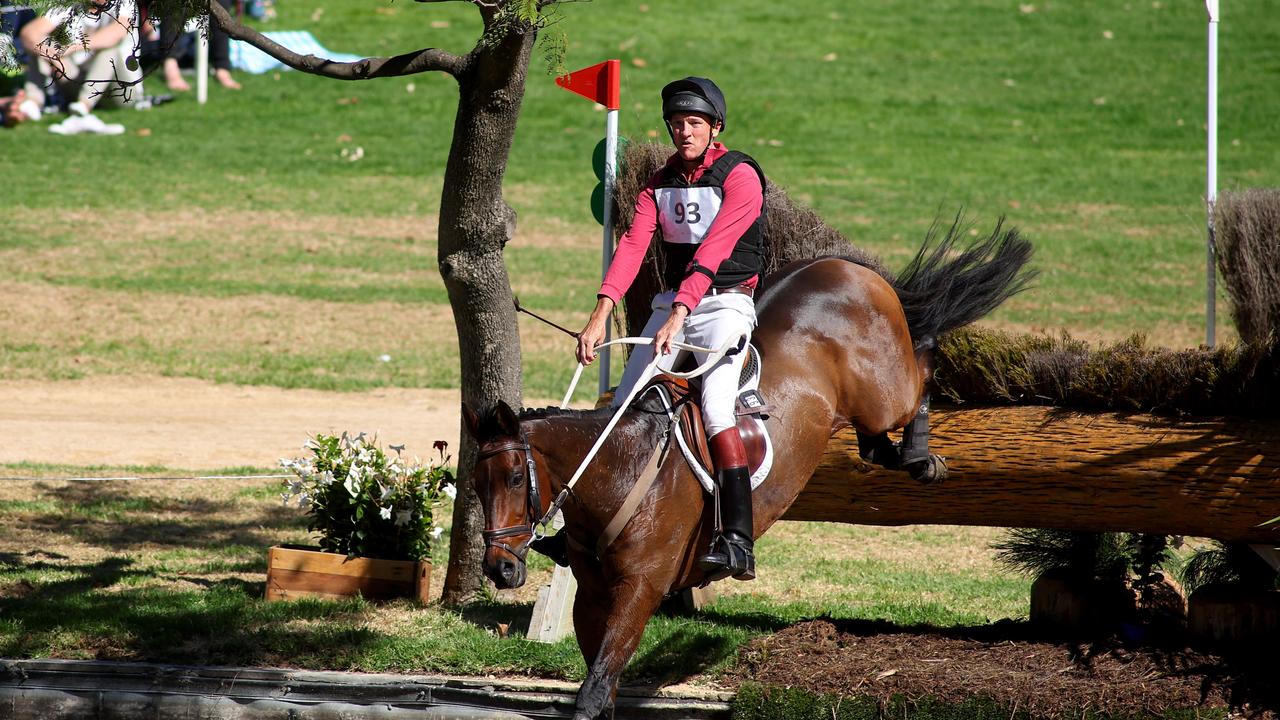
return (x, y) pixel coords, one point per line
(1053, 468)
(475, 224)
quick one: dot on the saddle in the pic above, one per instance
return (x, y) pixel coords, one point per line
(684, 397)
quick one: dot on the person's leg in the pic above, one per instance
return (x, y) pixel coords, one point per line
(39, 78)
(106, 75)
(726, 319)
(172, 46)
(220, 53)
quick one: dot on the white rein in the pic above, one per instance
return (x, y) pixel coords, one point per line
(713, 357)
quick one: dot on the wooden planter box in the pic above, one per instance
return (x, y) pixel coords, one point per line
(296, 572)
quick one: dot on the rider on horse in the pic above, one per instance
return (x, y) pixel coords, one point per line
(708, 202)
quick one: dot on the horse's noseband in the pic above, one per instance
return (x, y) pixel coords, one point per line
(494, 538)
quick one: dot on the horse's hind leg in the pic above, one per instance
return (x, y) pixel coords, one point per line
(618, 626)
(879, 450)
(914, 450)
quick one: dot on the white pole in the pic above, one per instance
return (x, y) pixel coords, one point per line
(202, 65)
(606, 250)
(1211, 175)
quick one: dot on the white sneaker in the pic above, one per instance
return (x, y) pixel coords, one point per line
(86, 124)
(78, 108)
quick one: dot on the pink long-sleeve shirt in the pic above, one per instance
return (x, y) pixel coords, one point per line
(742, 203)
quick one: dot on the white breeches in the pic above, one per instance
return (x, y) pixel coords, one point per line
(717, 320)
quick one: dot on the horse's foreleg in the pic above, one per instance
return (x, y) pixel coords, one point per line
(632, 602)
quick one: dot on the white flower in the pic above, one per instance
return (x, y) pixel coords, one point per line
(295, 487)
(450, 492)
(286, 463)
(385, 512)
(325, 477)
(387, 492)
(304, 501)
(403, 517)
(436, 532)
(352, 484)
(284, 498)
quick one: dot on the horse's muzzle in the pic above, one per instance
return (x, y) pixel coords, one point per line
(505, 569)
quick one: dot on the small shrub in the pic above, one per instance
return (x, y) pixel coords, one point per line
(364, 503)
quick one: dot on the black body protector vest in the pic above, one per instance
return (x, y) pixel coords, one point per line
(686, 212)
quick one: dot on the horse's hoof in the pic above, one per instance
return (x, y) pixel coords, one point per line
(929, 471)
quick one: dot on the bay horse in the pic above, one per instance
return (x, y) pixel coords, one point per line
(841, 344)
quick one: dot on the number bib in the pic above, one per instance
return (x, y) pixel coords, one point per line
(686, 213)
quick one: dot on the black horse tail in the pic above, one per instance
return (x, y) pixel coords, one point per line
(946, 287)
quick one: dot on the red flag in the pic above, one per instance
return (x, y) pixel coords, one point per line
(599, 83)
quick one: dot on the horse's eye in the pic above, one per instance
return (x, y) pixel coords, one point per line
(515, 480)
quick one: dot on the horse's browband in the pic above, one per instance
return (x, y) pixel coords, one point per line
(501, 448)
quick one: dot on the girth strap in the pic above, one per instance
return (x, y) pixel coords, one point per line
(628, 510)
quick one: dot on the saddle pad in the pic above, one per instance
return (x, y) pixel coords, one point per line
(755, 434)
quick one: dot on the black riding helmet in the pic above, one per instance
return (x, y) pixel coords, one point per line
(695, 95)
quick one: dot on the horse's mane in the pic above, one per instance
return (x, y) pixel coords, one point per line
(552, 411)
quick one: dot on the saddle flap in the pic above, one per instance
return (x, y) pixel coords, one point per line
(688, 411)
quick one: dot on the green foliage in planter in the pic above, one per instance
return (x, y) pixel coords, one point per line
(364, 503)
(1035, 551)
(1228, 564)
(1086, 555)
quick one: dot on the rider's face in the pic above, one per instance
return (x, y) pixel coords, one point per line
(691, 133)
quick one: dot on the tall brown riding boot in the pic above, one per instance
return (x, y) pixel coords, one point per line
(732, 550)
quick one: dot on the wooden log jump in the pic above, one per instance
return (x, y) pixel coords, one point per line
(1052, 468)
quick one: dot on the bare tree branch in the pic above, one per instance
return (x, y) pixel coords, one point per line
(425, 60)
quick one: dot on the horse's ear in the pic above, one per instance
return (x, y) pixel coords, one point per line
(472, 421)
(507, 419)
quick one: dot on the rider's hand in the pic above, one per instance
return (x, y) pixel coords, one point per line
(593, 334)
(672, 327)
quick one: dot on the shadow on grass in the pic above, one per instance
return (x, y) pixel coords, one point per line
(112, 515)
(106, 611)
(490, 615)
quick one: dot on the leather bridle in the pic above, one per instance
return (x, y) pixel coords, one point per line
(496, 538)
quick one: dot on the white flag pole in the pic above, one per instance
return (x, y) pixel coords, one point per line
(202, 64)
(606, 249)
(1211, 175)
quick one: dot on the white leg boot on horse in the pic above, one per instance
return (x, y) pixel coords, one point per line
(732, 550)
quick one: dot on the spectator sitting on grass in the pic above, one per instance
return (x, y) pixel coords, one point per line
(98, 62)
(176, 44)
(16, 109)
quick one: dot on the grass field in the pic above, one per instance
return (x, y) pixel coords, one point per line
(234, 242)
(173, 571)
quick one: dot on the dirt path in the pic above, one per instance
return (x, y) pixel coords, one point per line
(200, 425)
